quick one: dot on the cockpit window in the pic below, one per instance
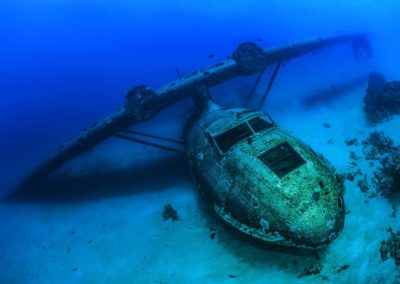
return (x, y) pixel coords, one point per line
(234, 135)
(282, 159)
(258, 124)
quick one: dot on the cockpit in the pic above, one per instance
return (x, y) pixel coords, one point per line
(245, 130)
(280, 159)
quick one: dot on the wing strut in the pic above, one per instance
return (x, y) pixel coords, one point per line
(269, 87)
(141, 103)
(147, 143)
(135, 132)
(253, 89)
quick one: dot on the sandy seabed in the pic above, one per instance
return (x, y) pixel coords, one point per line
(119, 236)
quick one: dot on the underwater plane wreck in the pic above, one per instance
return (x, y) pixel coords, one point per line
(256, 177)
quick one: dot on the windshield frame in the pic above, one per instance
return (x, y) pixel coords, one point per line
(264, 116)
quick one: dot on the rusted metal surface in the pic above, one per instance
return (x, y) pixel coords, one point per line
(143, 104)
(303, 208)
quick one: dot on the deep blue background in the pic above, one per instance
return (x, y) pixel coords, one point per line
(65, 64)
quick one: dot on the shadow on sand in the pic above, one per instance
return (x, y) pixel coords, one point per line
(154, 175)
(334, 92)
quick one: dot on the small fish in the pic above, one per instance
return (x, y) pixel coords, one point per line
(259, 39)
(211, 55)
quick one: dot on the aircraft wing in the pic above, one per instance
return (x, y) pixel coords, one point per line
(141, 103)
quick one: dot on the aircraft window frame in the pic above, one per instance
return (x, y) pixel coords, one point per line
(236, 140)
(267, 124)
(272, 159)
(264, 117)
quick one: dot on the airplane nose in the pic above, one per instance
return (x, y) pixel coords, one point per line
(318, 227)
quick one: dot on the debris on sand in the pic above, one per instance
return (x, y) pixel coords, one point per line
(326, 125)
(377, 144)
(170, 213)
(363, 184)
(350, 142)
(350, 176)
(343, 268)
(382, 99)
(390, 248)
(312, 269)
(381, 148)
(395, 207)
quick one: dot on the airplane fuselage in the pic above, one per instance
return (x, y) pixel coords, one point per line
(263, 181)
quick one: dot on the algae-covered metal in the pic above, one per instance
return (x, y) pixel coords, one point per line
(141, 103)
(264, 182)
(258, 178)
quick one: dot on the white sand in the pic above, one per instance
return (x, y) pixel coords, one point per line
(121, 237)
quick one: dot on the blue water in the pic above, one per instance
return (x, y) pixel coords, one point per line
(65, 64)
